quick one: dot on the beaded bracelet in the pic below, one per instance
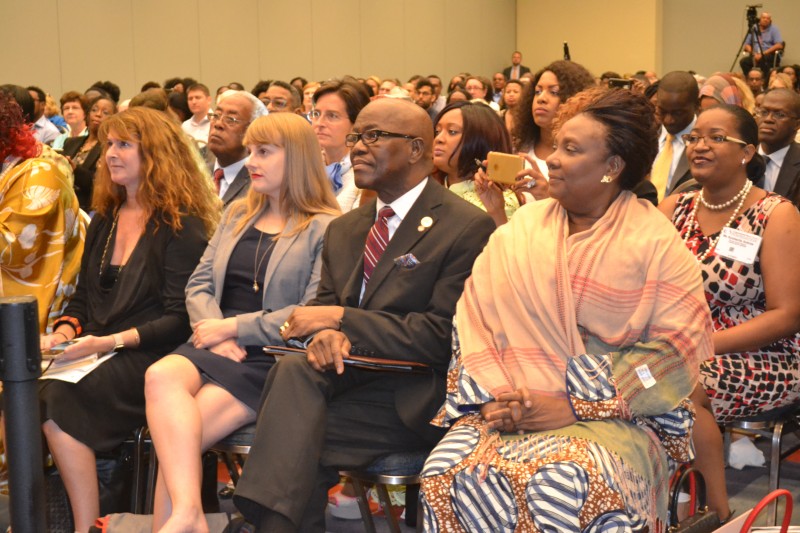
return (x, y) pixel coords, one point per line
(72, 322)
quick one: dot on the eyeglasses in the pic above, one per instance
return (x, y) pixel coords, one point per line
(330, 116)
(371, 136)
(227, 119)
(277, 103)
(692, 139)
(777, 115)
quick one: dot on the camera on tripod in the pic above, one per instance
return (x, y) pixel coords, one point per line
(752, 15)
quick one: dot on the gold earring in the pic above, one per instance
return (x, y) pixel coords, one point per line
(606, 179)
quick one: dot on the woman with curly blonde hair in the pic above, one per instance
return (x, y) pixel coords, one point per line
(263, 261)
(155, 209)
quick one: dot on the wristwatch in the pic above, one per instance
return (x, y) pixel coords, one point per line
(118, 342)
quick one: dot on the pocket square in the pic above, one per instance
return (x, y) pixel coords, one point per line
(407, 261)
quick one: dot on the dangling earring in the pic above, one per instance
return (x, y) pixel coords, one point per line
(606, 179)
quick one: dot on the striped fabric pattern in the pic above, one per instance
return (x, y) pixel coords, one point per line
(377, 240)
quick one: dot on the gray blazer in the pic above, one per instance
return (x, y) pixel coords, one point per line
(291, 279)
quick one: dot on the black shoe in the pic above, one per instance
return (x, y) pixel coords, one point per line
(239, 525)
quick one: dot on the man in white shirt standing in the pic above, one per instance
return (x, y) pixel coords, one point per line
(44, 130)
(676, 104)
(778, 120)
(199, 99)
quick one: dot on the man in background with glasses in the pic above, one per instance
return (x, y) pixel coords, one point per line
(283, 98)
(392, 271)
(778, 119)
(226, 153)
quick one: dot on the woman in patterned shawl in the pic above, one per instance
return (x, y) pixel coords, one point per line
(41, 230)
(576, 340)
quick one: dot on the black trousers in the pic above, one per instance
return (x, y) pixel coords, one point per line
(765, 64)
(311, 425)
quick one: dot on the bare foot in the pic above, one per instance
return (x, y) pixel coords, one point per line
(189, 521)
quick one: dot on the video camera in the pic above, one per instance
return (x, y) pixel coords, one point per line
(752, 15)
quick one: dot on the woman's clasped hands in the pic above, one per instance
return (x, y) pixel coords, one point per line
(219, 336)
(522, 411)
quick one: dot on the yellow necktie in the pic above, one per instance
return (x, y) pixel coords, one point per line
(660, 173)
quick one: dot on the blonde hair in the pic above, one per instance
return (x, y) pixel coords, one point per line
(748, 100)
(305, 188)
(173, 181)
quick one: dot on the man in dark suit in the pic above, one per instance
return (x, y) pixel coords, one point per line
(516, 70)
(676, 103)
(318, 415)
(226, 153)
(778, 119)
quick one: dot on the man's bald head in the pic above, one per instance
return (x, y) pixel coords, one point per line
(393, 164)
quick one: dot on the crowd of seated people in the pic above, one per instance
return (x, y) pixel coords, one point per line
(564, 327)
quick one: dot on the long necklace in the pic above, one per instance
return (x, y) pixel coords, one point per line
(108, 241)
(258, 262)
(692, 224)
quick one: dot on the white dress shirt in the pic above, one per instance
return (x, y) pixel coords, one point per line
(774, 164)
(230, 173)
(401, 206)
(678, 148)
(45, 131)
(198, 130)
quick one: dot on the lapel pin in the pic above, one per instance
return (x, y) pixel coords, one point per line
(425, 223)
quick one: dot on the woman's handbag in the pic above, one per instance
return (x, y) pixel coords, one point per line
(774, 495)
(700, 519)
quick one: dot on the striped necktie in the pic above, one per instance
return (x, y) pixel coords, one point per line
(377, 240)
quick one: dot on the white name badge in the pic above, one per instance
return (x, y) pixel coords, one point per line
(738, 245)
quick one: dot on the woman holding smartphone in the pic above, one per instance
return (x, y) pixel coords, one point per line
(465, 133)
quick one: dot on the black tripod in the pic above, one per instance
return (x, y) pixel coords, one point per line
(755, 37)
(754, 33)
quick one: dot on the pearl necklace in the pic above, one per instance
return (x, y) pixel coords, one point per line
(719, 207)
(692, 224)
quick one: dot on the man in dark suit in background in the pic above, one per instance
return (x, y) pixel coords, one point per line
(676, 104)
(318, 415)
(226, 155)
(516, 70)
(778, 120)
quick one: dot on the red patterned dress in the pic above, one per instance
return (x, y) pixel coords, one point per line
(741, 385)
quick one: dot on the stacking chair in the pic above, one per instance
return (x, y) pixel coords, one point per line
(773, 424)
(392, 469)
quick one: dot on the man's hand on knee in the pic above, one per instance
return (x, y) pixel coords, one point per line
(328, 350)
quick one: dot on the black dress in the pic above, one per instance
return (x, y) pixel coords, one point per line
(246, 379)
(147, 293)
(84, 171)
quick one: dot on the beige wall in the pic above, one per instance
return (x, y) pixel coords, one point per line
(661, 35)
(621, 35)
(76, 42)
(704, 35)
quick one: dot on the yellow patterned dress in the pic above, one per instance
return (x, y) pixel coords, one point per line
(42, 231)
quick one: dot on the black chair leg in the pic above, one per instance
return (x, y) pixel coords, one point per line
(412, 505)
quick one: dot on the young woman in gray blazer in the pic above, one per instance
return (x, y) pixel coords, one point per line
(263, 261)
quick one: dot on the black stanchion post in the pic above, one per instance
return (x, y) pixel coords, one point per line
(20, 367)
